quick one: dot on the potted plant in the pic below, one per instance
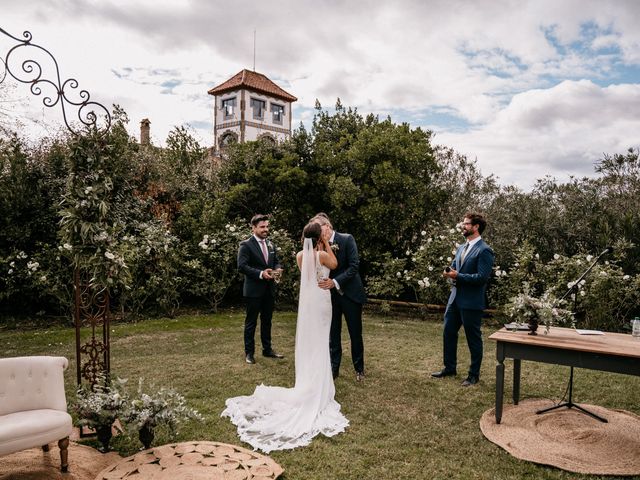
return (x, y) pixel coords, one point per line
(98, 407)
(147, 411)
(525, 308)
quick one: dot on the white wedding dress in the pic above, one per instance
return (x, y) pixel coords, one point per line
(278, 418)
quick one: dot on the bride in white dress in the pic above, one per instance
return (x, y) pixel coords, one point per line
(278, 418)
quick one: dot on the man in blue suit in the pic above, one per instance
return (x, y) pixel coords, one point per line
(469, 273)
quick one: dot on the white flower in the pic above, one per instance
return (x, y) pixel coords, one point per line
(582, 293)
(556, 256)
(626, 277)
(589, 258)
(398, 274)
(407, 253)
(537, 256)
(88, 189)
(67, 246)
(429, 240)
(33, 266)
(582, 282)
(498, 273)
(206, 237)
(441, 237)
(606, 262)
(43, 278)
(430, 268)
(12, 264)
(453, 230)
(10, 271)
(449, 259)
(570, 284)
(516, 264)
(421, 283)
(423, 233)
(421, 247)
(405, 272)
(413, 259)
(109, 255)
(453, 252)
(232, 228)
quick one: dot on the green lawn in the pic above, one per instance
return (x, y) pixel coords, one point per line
(404, 425)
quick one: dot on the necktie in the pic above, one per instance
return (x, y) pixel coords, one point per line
(464, 253)
(265, 254)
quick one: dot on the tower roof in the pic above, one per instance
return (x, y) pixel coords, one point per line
(252, 81)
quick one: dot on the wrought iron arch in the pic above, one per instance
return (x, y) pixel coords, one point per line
(58, 92)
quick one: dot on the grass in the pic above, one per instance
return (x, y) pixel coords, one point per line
(404, 425)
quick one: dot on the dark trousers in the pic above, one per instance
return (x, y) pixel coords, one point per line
(352, 312)
(471, 320)
(262, 306)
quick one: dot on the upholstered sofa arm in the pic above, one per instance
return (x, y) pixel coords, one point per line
(32, 383)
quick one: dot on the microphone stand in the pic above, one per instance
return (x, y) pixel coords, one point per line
(574, 288)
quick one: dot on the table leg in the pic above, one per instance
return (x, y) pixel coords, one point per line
(516, 380)
(499, 380)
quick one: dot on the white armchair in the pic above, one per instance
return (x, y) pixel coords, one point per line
(33, 407)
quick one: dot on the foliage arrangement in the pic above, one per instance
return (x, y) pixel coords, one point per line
(545, 310)
(164, 407)
(100, 406)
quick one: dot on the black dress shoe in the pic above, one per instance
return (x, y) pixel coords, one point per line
(272, 354)
(249, 358)
(444, 373)
(469, 381)
(359, 376)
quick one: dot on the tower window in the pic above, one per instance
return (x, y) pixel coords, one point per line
(278, 112)
(258, 106)
(229, 106)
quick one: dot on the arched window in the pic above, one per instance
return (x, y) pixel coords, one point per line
(227, 139)
(267, 138)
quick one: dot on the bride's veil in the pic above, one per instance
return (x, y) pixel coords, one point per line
(308, 274)
(308, 327)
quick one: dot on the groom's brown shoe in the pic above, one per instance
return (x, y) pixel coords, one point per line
(444, 373)
(272, 354)
(359, 376)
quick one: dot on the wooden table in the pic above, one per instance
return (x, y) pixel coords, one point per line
(611, 352)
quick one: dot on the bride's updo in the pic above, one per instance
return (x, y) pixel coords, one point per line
(313, 231)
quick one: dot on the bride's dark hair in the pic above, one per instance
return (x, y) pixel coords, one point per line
(313, 231)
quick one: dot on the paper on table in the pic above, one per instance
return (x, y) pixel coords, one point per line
(589, 332)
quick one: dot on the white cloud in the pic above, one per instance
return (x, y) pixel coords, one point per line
(559, 131)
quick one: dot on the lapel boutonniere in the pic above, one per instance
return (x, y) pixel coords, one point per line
(270, 246)
(335, 247)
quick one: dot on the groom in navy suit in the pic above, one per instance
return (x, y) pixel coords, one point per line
(347, 297)
(469, 274)
(258, 261)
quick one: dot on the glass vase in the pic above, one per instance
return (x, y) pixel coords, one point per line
(146, 435)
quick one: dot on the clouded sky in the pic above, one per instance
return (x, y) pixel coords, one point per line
(527, 88)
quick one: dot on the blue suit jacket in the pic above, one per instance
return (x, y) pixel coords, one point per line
(473, 275)
(346, 273)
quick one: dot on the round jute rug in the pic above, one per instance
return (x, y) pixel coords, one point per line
(194, 461)
(34, 464)
(567, 438)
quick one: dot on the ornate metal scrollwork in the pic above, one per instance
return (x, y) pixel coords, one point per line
(91, 315)
(30, 71)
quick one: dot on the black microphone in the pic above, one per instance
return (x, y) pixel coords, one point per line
(607, 250)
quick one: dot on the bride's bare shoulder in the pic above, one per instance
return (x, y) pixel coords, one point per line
(299, 258)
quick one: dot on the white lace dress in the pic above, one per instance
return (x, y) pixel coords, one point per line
(278, 418)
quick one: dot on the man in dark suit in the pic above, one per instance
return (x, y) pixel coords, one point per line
(347, 297)
(469, 274)
(258, 261)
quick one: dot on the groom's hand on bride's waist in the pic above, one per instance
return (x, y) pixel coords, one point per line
(326, 284)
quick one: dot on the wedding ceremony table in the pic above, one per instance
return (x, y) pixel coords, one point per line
(611, 352)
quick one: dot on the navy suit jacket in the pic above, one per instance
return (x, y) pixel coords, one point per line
(346, 273)
(470, 287)
(251, 263)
